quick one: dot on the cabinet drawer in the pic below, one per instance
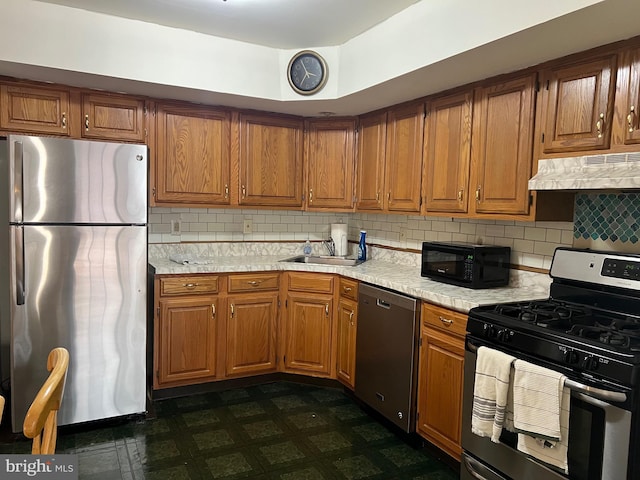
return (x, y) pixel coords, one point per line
(444, 319)
(254, 282)
(348, 288)
(188, 285)
(310, 282)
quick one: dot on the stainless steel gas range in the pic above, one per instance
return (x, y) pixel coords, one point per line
(589, 330)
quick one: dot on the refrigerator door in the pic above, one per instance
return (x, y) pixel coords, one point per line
(85, 290)
(57, 180)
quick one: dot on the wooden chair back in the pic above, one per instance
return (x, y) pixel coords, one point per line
(41, 422)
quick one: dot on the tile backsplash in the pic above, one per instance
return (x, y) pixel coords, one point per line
(532, 243)
(607, 221)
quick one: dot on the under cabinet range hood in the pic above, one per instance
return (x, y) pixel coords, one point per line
(592, 172)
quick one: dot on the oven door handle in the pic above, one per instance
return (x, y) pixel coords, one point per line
(599, 393)
(477, 470)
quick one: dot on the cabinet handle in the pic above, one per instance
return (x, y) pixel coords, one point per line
(190, 285)
(64, 119)
(377, 197)
(244, 191)
(86, 122)
(351, 317)
(632, 113)
(346, 289)
(326, 309)
(232, 310)
(254, 283)
(446, 321)
(460, 194)
(226, 191)
(478, 193)
(311, 195)
(213, 311)
(600, 125)
(389, 197)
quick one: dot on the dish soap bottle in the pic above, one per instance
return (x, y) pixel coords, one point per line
(362, 246)
(307, 248)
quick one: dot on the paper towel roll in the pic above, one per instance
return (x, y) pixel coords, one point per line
(339, 236)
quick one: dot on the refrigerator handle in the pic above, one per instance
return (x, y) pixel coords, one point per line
(18, 156)
(19, 256)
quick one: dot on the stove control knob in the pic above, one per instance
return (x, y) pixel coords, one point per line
(490, 331)
(590, 363)
(504, 335)
(570, 357)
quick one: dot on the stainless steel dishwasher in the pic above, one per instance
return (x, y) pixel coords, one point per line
(386, 363)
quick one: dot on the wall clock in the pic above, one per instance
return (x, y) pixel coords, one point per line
(307, 72)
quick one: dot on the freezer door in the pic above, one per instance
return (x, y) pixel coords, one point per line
(56, 180)
(84, 289)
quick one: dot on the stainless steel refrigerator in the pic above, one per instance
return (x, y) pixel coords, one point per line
(73, 262)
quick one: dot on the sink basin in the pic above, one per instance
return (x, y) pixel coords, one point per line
(324, 260)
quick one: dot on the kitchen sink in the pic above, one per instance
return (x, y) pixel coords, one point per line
(324, 260)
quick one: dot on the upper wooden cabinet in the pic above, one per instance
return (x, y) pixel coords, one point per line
(501, 146)
(371, 142)
(113, 117)
(391, 143)
(403, 170)
(330, 154)
(577, 105)
(192, 155)
(447, 152)
(35, 109)
(630, 108)
(270, 169)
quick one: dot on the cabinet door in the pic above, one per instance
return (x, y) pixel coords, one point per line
(372, 138)
(632, 110)
(447, 152)
(579, 106)
(347, 327)
(34, 109)
(186, 341)
(403, 171)
(440, 390)
(270, 160)
(330, 163)
(113, 117)
(501, 146)
(307, 333)
(193, 155)
(251, 334)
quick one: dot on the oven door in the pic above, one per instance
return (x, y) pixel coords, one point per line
(599, 436)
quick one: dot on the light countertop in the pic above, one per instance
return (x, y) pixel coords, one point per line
(398, 277)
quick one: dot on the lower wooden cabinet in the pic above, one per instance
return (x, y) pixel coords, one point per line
(440, 378)
(308, 324)
(186, 333)
(251, 334)
(347, 325)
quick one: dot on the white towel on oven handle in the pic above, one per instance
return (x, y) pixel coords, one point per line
(490, 392)
(552, 453)
(537, 396)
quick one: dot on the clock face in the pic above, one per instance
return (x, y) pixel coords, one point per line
(307, 72)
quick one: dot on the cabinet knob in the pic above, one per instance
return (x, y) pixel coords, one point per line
(213, 311)
(86, 122)
(311, 195)
(351, 317)
(600, 125)
(226, 191)
(446, 321)
(460, 194)
(64, 120)
(232, 310)
(478, 193)
(244, 191)
(630, 117)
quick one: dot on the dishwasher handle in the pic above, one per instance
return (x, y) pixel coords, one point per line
(383, 304)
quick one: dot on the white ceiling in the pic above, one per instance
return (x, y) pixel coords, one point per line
(272, 23)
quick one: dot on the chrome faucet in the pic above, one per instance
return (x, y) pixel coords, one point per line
(330, 246)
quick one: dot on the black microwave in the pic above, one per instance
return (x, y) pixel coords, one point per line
(466, 265)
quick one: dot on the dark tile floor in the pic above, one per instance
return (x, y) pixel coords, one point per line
(281, 430)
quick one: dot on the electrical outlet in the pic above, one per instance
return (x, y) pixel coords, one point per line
(176, 227)
(247, 226)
